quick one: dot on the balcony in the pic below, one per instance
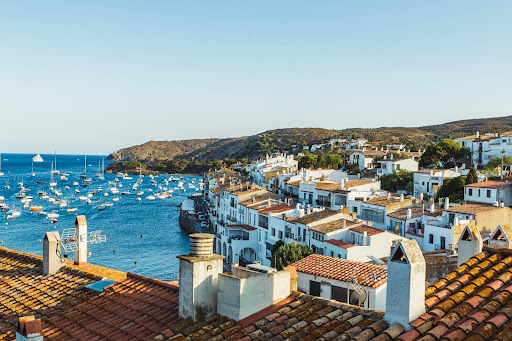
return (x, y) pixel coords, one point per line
(323, 203)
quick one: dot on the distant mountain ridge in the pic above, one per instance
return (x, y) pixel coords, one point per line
(288, 138)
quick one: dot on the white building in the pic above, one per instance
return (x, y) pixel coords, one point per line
(489, 192)
(261, 170)
(389, 165)
(486, 147)
(356, 283)
(428, 181)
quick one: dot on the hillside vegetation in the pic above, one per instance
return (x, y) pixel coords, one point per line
(290, 138)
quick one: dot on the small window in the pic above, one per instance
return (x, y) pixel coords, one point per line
(431, 239)
(470, 191)
(280, 234)
(273, 232)
(488, 193)
(314, 288)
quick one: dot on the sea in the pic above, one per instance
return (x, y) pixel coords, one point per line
(141, 236)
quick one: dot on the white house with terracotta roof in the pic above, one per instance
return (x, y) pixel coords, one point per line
(391, 164)
(487, 146)
(376, 210)
(356, 283)
(489, 192)
(262, 170)
(428, 181)
(363, 158)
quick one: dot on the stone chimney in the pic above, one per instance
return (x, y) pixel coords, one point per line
(198, 278)
(470, 244)
(29, 329)
(405, 293)
(81, 232)
(51, 253)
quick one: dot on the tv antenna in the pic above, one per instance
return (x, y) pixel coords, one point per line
(70, 238)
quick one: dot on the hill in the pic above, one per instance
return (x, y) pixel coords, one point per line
(287, 139)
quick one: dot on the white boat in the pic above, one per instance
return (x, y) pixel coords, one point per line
(108, 204)
(26, 205)
(114, 190)
(77, 190)
(52, 183)
(150, 197)
(37, 158)
(75, 183)
(7, 184)
(82, 198)
(84, 175)
(105, 194)
(53, 215)
(67, 187)
(126, 177)
(13, 215)
(140, 193)
(100, 207)
(125, 193)
(45, 196)
(115, 199)
(32, 174)
(71, 210)
(42, 213)
(138, 199)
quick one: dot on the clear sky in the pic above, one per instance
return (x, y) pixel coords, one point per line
(96, 76)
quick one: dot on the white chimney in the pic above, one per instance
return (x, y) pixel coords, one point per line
(431, 204)
(470, 244)
(81, 233)
(405, 293)
(342, 183)
(198, 278)
(29, 329)
(391, 156)
(51, 253)
(401, 197)
(409, 213)
(446, 203)
(477, 134)
(421, 196)
(343, 224)
(389, 196)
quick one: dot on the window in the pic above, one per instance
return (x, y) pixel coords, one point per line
(273, 232)
(332, 254)
(488, 193)
(470, 191)
(431, 239)
(397, 167)
(314, 288)
(339, 294)
(443, 243)
(280, 234)
(373, 215)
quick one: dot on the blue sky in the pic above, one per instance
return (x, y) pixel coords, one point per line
(96, 76)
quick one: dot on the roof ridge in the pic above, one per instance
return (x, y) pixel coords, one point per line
(152, 280)
(19, 254)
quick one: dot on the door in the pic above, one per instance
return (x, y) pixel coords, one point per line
(314, 288)
(443, 243)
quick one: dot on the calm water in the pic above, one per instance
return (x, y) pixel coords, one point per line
(123, 224)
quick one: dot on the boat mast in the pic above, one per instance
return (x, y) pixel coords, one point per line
(85, 165)
(55, 159)
(51, 174)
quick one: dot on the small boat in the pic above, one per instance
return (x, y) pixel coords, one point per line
(77, 190)
(67, 187)
(114, 190)
(53, 215)
(108, 204)
(71, 210)
(75, 183)
(140, 193)
(42, 213)
(37, 158)
(26, 205)
(40, 182)
(115, 199)
(87, 181)
(14, 215)
(138, 199)
(105, 194)
(54, 221)
(126, 177)
(82, 198)
(55, 171)
(45, 196)
(125, 193)
(150, 197)
(100, 207)
(36, 208)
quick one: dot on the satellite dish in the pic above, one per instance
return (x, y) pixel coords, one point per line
(358, 297)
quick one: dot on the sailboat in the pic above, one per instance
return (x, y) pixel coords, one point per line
(37, 158)
(55, 171)
(52, 183)
(84, 175)
(1, 173)
(100, 170)
(7, 184)
(32, 174)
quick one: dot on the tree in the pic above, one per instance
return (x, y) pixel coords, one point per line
(398, 180)
(308, 161)
(453, 188)
(446, 151)
(496, 162)
(288, 254)
(472, 177)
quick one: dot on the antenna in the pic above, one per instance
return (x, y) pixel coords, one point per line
(69, 239)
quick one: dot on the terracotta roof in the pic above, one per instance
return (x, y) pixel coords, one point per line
(315, 216)
(358, 182)
(339, 243)
(401, 214)
(328, 186)
(277, 209)
(24, 290)
(490, 184)
(260, 197)
(394, 200)
(331, 226)
(472, 208)
(370, 230)
(369, 275)
(474, 138)
(243, 226)
(138, 308)
(294, 183)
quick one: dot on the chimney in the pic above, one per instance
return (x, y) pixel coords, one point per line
(477, 134)
(405, 293)
(51, 253)
(198, 278)
(391, 156)
(342, 183)
(421, 196)
(81, 232)
(409, 213)
(385, 157)
(343, 224)
(431, 204)
(470, 244)
(446, 203)
(402, 197)
(29, 329)
(389, 196)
